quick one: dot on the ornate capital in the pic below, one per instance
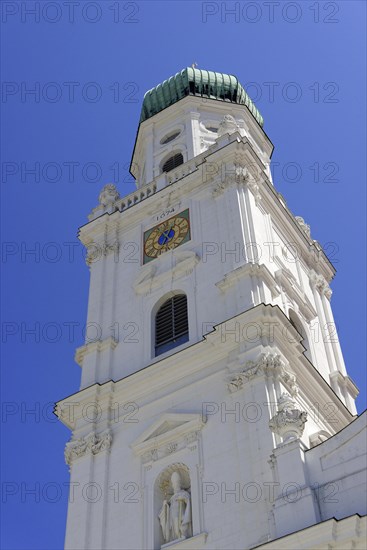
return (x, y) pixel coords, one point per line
(289, 421)
(244, 177)
(239, 174)
(91, 444)
(96, 251)
(320, 284)
(268, 364)
(219, 188)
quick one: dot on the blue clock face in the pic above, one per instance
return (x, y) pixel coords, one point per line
(166, 236)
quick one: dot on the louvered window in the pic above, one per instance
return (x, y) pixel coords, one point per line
(172, 162)
(171, 324)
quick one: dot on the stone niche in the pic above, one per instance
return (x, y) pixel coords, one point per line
(170, 452)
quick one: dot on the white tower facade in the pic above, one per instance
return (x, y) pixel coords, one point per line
(212, 375)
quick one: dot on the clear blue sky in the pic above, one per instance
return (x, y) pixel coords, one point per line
(319, 46)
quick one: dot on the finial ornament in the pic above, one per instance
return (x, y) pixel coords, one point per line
(306, 228)
(108, 195)
(194, 65)
(228, 125)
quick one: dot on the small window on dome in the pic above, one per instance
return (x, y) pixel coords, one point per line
(170, 137)
(173, 162)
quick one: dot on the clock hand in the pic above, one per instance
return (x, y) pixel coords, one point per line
(166, 233)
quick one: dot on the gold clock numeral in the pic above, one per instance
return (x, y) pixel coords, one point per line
(182, 222)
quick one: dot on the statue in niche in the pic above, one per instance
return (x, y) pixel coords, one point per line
(175, 514)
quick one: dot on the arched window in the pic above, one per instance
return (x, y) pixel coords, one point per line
(171, 324)
(297, 324)
(173, 161)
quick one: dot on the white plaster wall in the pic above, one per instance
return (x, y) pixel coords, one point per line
(338, 466)
(234, 450)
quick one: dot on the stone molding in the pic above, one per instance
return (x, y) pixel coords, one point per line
(289, 421)
(253, 270)
(349, 532)
(345, 381)
(287, 281)
(193, 543)
(171, 433)
(150, 277)
(270, 365)
(92, 347)
(91, 444)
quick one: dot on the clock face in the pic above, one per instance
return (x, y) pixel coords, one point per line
(166, 236)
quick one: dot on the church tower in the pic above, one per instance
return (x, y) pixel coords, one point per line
(212, 369)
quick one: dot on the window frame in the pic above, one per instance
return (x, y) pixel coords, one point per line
(175, 318)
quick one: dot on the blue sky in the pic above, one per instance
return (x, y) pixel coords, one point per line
(303, 64)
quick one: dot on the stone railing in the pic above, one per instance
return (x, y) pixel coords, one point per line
(136, 196)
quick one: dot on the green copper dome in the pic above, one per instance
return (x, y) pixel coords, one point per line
(195, 82)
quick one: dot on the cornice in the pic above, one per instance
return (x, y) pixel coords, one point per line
(195, 362)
